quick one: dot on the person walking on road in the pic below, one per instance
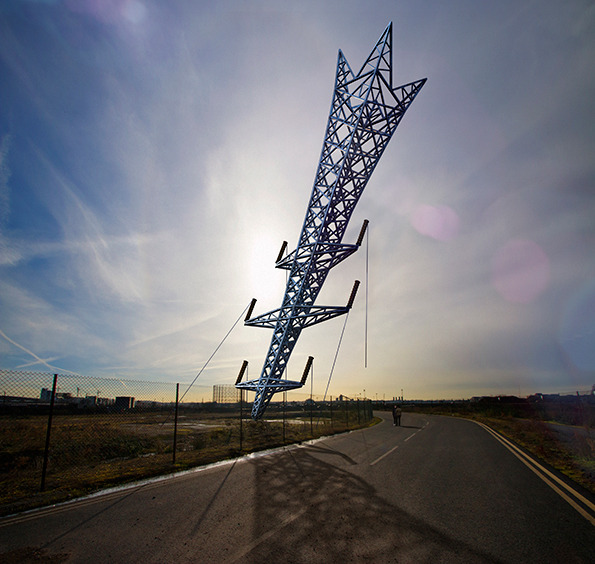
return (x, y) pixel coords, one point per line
(396, 415)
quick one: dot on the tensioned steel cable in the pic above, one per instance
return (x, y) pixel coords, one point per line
(209, 360)
(335, 359)
(215, 352)
(366, 321)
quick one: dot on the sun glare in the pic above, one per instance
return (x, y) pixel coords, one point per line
(266, 282)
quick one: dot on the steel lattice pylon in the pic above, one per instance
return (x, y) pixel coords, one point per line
(365, 112)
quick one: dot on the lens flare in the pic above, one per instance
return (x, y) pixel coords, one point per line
(438, 222)
(520, 271)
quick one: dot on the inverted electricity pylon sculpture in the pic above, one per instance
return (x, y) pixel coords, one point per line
(365, 112)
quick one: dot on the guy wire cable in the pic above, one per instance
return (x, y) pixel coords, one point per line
(209, 360)
(366, 317)
(215, 351)
(336, 355)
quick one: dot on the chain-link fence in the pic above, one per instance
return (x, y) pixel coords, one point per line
(66, 435)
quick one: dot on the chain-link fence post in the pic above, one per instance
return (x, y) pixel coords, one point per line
(346, 409)
(241, 418)
(48, 433)
(176, 423)
(284, 414)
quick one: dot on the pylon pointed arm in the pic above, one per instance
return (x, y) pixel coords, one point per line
(365, 112)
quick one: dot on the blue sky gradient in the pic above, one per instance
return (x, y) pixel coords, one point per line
(154, 155)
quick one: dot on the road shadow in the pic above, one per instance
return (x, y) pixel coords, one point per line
(329, 450)
(314, 511)
(214, 497)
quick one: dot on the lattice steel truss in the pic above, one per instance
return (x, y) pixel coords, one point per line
(365, 112)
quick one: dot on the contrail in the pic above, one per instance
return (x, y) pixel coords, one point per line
(34, 362)
(39, 360)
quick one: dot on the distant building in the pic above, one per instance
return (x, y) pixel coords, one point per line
(124, 402)
(46, 395)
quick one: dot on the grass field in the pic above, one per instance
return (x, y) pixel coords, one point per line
(92, 451)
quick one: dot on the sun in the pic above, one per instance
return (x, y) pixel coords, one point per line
(265, 281)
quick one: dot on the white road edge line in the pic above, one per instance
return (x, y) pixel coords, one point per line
(385, 454)
(411, 436)
(544, 473)
(395, 448)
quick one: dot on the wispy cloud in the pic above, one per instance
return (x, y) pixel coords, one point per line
(157, 155)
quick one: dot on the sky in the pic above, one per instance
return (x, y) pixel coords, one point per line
(154, 156)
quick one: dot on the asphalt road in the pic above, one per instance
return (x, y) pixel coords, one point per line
(436, 489)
